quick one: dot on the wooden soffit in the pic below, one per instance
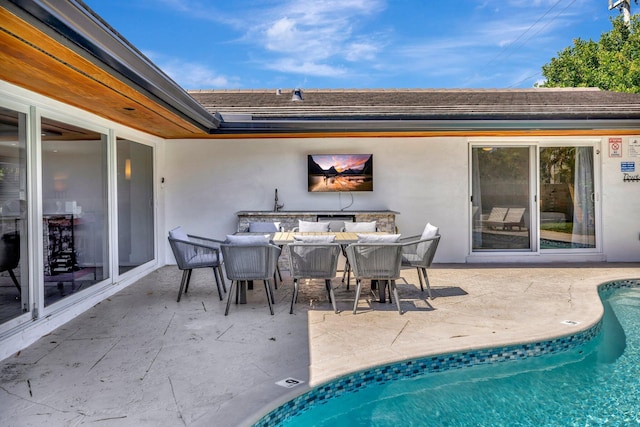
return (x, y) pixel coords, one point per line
(31, 59)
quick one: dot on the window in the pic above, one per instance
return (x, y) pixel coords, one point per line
(135, 204)
(74, 206)
(14, 262)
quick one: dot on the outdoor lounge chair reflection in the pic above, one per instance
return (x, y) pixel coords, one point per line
(505, 218)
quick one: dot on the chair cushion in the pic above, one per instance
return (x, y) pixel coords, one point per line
(178, 233)
(315, 239)
(204, 259)
(312, 226)
(359, 226)
(262, 227)
(378, 238)
(248, 240)
(429, 231)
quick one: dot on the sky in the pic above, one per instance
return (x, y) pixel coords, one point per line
(354, 44)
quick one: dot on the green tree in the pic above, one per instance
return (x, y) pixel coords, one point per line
(612, 63)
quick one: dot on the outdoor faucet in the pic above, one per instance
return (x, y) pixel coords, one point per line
(276, 206)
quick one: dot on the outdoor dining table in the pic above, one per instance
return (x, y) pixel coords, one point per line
(282, 238)
(344, 238)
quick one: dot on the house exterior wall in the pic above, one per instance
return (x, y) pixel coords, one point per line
(425, 179)
(20, 332)
(620, 205)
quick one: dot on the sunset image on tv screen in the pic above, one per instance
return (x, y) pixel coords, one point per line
(340, 172)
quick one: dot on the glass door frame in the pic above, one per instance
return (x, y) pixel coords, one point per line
(114, 210)
(595, 144)
(30, 283)
(535, 144)
(40, 113)
(532, 185)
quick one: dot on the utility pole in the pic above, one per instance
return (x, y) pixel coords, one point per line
(625, 8)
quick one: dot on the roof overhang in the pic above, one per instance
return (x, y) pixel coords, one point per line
(61, 49)
(369, 127)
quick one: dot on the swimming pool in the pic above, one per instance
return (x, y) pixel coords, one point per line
(586, 379)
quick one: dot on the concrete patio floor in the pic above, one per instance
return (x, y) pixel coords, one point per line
(140, 358)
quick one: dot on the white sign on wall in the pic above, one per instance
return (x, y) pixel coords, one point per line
(615, 147)
(634, 146)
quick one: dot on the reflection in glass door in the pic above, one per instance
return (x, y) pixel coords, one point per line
(501, 198)
(567, 198)
(135, 204)
(74, 204)
(14, 262)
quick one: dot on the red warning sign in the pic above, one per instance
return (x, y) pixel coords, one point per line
(615, 147)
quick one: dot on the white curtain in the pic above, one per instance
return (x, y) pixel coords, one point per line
(583, 203)
(476, 194)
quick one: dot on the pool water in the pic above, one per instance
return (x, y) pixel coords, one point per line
(596, 384)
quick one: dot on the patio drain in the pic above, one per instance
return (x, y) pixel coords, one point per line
(289, 382)
(570, 322)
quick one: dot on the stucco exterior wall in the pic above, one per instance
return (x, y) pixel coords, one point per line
(620, 206)
(425, 179)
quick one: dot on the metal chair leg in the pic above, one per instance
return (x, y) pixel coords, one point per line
(420, 279)
(221, 274)
(271, 292)
(215, 275)
(186, 286)
(426, 281)
(294, 298)
(185, 275)
(15, 280)
(233, 283)
(332, 297)
(395, 294)
(358, 287)
(267, 288)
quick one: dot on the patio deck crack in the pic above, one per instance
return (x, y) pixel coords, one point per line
(175, 400)
(400, 333)
(105, 354)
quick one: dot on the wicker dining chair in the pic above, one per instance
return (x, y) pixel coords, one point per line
(313, 261)
(375, 261)
(192, 252)
(245, 263)
(418, 252)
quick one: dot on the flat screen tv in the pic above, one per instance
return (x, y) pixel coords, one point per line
(340, 172)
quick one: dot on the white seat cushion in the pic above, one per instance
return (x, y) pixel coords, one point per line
(248, 240)
(378, 238)
(353, 227)
(312, 226)
(178, 233)
(429, 231)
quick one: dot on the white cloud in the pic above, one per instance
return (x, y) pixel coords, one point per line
(318, 33)
(191, 75)
(331, 38)
(309, 68)
(358, 51)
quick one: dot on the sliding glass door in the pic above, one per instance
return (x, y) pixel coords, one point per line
(14, 255)
(75, 209)
(511, 197)
(501, 189)
(567, 198)
(135, 205)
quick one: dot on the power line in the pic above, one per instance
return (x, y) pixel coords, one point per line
(525, 32)
(536, 33)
